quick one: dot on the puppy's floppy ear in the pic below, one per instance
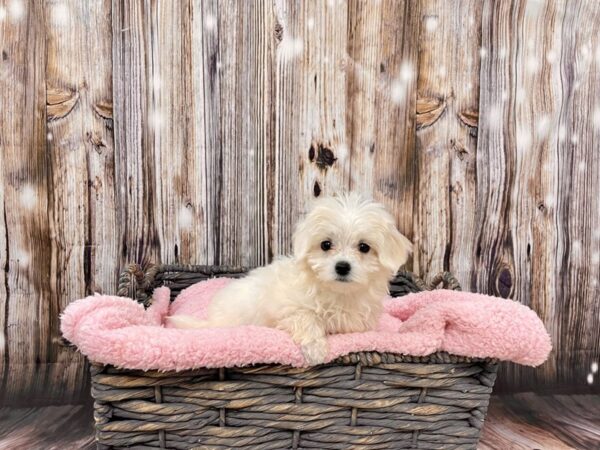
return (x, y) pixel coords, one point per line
(301, 240)
(396, 249)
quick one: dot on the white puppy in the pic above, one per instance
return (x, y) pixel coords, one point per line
(345, 252)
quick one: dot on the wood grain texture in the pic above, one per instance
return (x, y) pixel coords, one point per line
(446, 141)
(475, 122)
(537, 181)
(81, 189)
(27, 255)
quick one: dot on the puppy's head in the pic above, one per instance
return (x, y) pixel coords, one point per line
(348, 242)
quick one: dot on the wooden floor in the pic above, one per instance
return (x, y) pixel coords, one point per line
(523, 421)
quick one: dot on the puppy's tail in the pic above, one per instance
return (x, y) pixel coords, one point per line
(186, 322)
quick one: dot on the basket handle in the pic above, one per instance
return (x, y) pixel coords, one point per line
(447, 280)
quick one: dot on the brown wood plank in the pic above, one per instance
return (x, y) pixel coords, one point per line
(85, 244)
(381, 77)
(25, 320)
(447, 120)
(537, 182)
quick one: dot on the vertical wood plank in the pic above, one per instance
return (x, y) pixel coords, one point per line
(136, 121)
(83, 226)
(27, 256)
(381, 74)
(447, 116)
(537, 178)
(311, 147)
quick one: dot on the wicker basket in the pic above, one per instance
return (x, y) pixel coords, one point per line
(361, 401)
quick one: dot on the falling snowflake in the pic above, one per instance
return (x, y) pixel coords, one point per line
(49, 136)
(562, 133)
(186, 218)
(586, 54)
(2, 13)
(342, 151)
(551, 56)
(494, 117)
(574, 140)
(594, 367)
(290, 47)
(482, 52)
(502, 53)
(406, 71)
(310, 23)
(398, 91)
(596, 117)
(543, 126)
(523, 139)
(60, 14)
(531, 65)
(442, 72)
(549, 201)
(581, 166)
(16, 10)
(431, 23)
(504, 95)
(595, 258)
(590, 378)
(576, 249)
(155, 82)
(210, 22)
(155, 119)
(28, 197)
(22, 258)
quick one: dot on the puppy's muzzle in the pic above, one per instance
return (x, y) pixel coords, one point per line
(342, 268)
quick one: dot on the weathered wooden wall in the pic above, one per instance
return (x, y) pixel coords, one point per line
(198, 131)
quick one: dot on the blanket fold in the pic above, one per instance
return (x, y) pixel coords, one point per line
(118, 331)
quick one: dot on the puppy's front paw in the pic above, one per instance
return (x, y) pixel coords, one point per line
(315, 351)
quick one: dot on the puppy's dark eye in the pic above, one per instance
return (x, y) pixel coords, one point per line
(326, 245)
(363, 248)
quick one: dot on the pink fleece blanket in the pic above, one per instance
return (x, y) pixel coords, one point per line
(118, 331)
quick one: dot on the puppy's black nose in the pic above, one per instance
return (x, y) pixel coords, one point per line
(342, 268)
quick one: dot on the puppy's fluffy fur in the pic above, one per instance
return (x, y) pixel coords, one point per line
(344, 253)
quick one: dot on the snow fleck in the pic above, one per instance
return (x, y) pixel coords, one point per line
(531, 65)
(469, 86)
(574, 140)
(523, 139)
(310, 23)
(406, 71)
(16, 10)
(22, 257)
(442, 72)
(590, 378)
(210, 22)
(60, 14)
(155, 82)
(49, 136)
(186, 218)
(595, 258)
(504, 95)
(543, 126)
(342, 151)
(431, 23)
(586, 54)
(581, 166)
(576, 248)
(28, 197)
(155, 119)
(576, 85)
(594, 367)
(502, 53)
(290, 47)
(482, 52)
(471, 21)
(2, 13)
(549, 200)
(596, 117)
(494, 117)
(398, 91)
(551, 56)
(562, 133)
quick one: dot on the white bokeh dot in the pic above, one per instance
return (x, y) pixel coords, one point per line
(28, 197)
(482, 52)
(210, 22)
(431, 23)
(562, 133)
(290, 47)
(16, 10)
(574, 139)
(49, 136)
(596, 117)
(542, 127)
(310, 23)
(551, 56)
(60, 14)
(155, 119)
(594, 367)
(2, 13)
(186, 217)
(590, 378)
